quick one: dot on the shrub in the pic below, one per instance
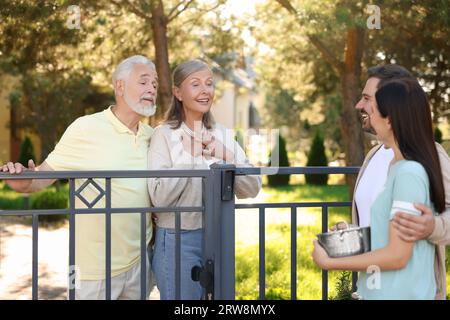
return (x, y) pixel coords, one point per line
(50, 200)
(278, 294)
(344, 286)
(10, 201)
(4, 187)
(279, 179)
(438, 135)
(26, 152)
(317, 158)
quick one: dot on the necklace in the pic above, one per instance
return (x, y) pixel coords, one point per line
(189, 131)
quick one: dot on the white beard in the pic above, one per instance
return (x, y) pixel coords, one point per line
(139, 108)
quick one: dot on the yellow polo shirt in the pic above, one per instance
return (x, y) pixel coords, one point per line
(101, 142)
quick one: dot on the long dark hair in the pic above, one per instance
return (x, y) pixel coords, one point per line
(406, 105)
(175, 115)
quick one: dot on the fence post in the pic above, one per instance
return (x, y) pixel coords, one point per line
(219, 229)
(26, 201)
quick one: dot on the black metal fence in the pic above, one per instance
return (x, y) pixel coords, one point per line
(218, 208)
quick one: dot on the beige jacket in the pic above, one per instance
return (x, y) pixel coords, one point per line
(166, 152)
(441, 234)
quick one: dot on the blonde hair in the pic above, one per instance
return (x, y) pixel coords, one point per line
(175, 115)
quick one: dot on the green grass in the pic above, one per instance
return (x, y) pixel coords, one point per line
(305, 193)
(278, 244)
(309, 276)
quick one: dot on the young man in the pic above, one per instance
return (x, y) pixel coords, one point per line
(113, 139)
(373, 174)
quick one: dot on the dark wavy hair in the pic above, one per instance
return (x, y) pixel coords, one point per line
(405, 103)
(175, 115)
(388, 72)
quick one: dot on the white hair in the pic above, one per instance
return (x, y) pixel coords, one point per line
(123, 70)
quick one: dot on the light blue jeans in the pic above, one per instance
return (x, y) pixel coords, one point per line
(163, 263)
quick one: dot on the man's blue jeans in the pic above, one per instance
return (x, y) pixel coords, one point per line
(163, 263)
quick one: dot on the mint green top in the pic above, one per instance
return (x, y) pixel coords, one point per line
(407, 183)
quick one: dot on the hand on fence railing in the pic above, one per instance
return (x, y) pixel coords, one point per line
(26, 185)
(18, 168)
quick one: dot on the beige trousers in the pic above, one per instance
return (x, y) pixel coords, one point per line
(125, 286)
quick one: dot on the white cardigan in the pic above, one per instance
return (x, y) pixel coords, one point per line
(166, 152)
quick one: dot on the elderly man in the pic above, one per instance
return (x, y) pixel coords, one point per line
(113, 139)
(373, 174)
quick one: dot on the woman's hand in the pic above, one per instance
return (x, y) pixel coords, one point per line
(192, 146)
(207, 146)
(214, 148)
(414, 228)
(320, 256)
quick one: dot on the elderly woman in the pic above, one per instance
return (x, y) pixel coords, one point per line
(188, 139)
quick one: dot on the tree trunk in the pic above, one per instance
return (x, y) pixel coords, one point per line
(159, 27)
(435, 96)
(350, 90)
(14, 140)
(48, 142)
(350, 73)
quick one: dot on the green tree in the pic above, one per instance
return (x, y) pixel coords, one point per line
(26, 152)
(159, 16)
(317, 158)
(31, 35)
(48, 103)
(327, 47)
(339, 27)
(283, 161)
(426, 24)
(279, 103)
(51, 59)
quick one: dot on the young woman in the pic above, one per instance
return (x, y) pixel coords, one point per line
(188, 139)
(396, 269)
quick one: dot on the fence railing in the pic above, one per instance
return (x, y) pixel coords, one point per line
(218, 208)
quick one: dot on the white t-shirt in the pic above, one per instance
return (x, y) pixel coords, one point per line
(372, 183)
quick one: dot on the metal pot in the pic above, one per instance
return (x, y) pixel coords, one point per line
(346, 242)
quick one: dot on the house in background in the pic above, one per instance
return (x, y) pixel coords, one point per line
(236, 107)
(236, 96)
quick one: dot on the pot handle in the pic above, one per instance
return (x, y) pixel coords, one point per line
(342, 222)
